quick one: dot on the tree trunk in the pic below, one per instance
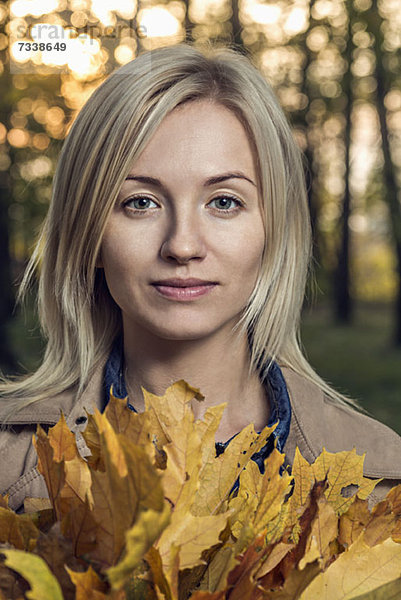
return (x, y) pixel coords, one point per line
(309, 150)
(375, 23)
(8, 361)
(236, 25)
(343, 305)
(188, 24)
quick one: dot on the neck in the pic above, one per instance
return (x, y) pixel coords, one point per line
(217, 365)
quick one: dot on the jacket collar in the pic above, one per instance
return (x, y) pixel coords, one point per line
(316, 423)
(48, 411)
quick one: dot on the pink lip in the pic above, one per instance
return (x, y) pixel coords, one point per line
(176, 289)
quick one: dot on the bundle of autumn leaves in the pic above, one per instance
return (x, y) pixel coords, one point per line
(152, 514)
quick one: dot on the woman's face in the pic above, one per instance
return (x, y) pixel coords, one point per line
(171, 222)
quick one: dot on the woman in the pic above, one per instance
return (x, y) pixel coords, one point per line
(177, 246)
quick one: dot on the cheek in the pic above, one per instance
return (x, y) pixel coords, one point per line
(249, 253)
(120, 262)
(119, 250)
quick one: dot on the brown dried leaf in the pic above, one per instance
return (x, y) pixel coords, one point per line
(241, 580)
(57, 552)
(156, 567)
(12, 585)
(17, 530)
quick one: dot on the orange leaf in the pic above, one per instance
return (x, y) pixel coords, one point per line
(353, 522)
(88, 585)
(52, 471)
(135, 426)
(62, 440)
(208, 596)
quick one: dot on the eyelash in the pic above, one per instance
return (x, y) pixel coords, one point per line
(136, 211)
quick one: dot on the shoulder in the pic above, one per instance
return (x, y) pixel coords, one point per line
(317, 422)
(19, 477)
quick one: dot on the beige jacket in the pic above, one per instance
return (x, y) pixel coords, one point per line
(315, 423)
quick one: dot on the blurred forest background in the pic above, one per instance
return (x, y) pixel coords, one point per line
(335, 66)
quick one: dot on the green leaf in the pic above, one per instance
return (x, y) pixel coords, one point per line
(44, 586)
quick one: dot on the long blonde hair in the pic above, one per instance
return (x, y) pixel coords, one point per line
(78, 317)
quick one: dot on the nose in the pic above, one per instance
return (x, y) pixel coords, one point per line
(184, 240)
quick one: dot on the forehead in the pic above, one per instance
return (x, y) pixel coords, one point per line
(198, 136)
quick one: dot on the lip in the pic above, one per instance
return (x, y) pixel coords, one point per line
(183, 289)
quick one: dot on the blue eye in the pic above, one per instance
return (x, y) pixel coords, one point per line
(142, 202)
(227, 202)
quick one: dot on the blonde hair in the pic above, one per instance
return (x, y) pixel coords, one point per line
(78, 317)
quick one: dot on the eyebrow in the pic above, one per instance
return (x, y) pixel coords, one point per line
(210, 181)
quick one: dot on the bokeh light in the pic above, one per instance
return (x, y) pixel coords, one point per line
(36, 8)
(159, 22)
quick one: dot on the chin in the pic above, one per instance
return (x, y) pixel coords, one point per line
(183, 336)
(180, 332)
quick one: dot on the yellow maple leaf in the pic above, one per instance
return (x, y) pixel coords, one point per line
(135, 426)
(358, 570)
(388, 591)
(266, 493)
(153, 508)
(278, 552)
(66, 473)
(181, 476)
(207, 428)
(169, 409)
(192, 535)
(342, 469)
(220, 474)
(139, 538)
(166, 581)
(324, 530)
(128, 483)
(303, 480)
